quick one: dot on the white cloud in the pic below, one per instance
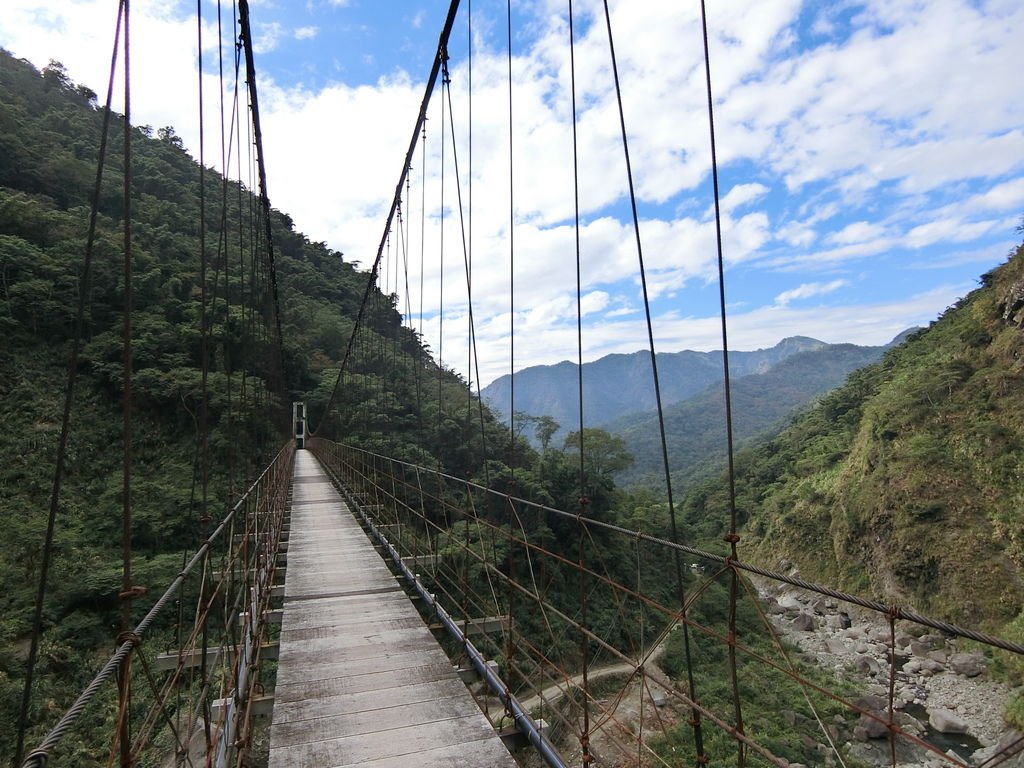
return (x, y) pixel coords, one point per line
(306, 33)
(742, 194)
(858, 232)
(593, 302)
(897, 131)
(1008, 196)
(946, 230)
(977, 256)
(807, 290)
(267, 37)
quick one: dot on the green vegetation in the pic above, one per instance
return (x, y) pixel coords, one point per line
(905, 482)
(777, 712)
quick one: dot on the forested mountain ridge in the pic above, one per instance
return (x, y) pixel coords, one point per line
(906, 481)
(762, 404)
(616, 385)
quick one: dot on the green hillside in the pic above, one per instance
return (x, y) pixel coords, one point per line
(906, 482)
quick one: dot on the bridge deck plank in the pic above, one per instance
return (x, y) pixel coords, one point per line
(361, 680)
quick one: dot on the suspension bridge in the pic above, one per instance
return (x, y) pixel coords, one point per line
(360, 607)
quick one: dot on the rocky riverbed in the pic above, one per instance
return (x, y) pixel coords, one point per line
(942, 693)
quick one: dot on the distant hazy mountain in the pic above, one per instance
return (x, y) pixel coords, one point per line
(617, 385)
(695, 428)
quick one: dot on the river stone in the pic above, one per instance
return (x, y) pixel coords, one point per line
(910, 724)
(945, 721)
(1006, 741)
(866, 665)
(871, 727)
(790, 603)
(834, 645)
(871, 702)
(917, 648)
(838, 620)
(804, 622)
(914, 630)
(773, 606)
(967, 664)
(879, 634)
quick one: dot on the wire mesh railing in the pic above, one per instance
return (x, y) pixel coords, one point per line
(193, 703)
(595, 638)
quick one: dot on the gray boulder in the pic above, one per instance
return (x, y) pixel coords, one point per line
(838, 620)
(873, 729)
(967, 664)
(790, 603)
(804, 622)
(835, 645)
(946, 721)
(867, 665)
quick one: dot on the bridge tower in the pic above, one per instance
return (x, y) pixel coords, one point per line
(299, 424)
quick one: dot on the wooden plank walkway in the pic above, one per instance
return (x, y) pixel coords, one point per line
(360, 679)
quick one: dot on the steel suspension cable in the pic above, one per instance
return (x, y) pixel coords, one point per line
(584, 643)
(440, 311)
(204, 462)
(510, 560)
(733, 536)
(69, 392)
(127, 590)
(697, 730)
(423, 256)
(442, 54)
(250, 67)
(468, 265)
(468, 252)
(223, 257)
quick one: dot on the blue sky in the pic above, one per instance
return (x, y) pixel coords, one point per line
(872, 154)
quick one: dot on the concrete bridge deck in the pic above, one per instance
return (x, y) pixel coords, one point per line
(360, 679)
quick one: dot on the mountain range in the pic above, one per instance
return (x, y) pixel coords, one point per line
(616, 385)
(761, 403)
